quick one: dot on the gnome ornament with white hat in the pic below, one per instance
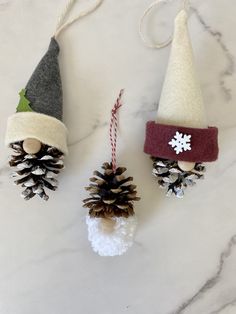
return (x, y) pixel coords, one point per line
(180, 139)
(36, 133)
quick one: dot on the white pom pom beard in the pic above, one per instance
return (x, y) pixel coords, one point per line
(115, 243)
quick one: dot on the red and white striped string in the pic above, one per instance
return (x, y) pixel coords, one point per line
(113, 129)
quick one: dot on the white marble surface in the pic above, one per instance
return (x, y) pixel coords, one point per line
(184, 257)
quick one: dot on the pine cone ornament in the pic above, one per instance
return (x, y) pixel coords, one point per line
(36, 172)
(111, 220)
(172, 178)
(36, 128)
(179, 138)
(111, 194)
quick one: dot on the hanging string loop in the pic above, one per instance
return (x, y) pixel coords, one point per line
(62, 25)
(147, 43)
(113, 129)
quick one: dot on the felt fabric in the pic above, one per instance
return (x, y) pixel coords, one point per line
(181, 101)
(44, 89)
(204, 143)
(46, 129)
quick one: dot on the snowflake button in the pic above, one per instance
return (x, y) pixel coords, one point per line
(180, 142)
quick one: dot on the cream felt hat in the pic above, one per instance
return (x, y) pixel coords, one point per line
(181, 101)
(180, 131)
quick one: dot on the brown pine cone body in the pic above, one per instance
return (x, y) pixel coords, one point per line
(111, 194)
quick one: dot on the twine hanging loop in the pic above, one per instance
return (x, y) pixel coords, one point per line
(147, 43)
(70, 3)
(113, 129)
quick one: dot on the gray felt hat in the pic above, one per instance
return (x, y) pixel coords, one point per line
(44, 89)
(40, 110)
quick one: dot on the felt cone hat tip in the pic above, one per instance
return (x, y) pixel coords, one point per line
(181, 101)
(44, 88)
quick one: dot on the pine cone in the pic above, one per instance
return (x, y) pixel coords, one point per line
(38, 171)
(110, 194)
(172, 178)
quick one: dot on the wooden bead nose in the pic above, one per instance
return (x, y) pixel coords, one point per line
(186, 165)
(107, 225)
(32, 146)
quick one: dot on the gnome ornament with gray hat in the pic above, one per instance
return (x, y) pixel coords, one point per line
(180, 139)
(36, 133)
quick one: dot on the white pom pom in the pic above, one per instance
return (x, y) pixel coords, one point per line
(115, 242)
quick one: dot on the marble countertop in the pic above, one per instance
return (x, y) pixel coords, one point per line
(184, 257)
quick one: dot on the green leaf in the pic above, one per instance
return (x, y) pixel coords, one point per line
(24, 104)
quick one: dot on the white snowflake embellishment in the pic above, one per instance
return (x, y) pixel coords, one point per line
(180, 142)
